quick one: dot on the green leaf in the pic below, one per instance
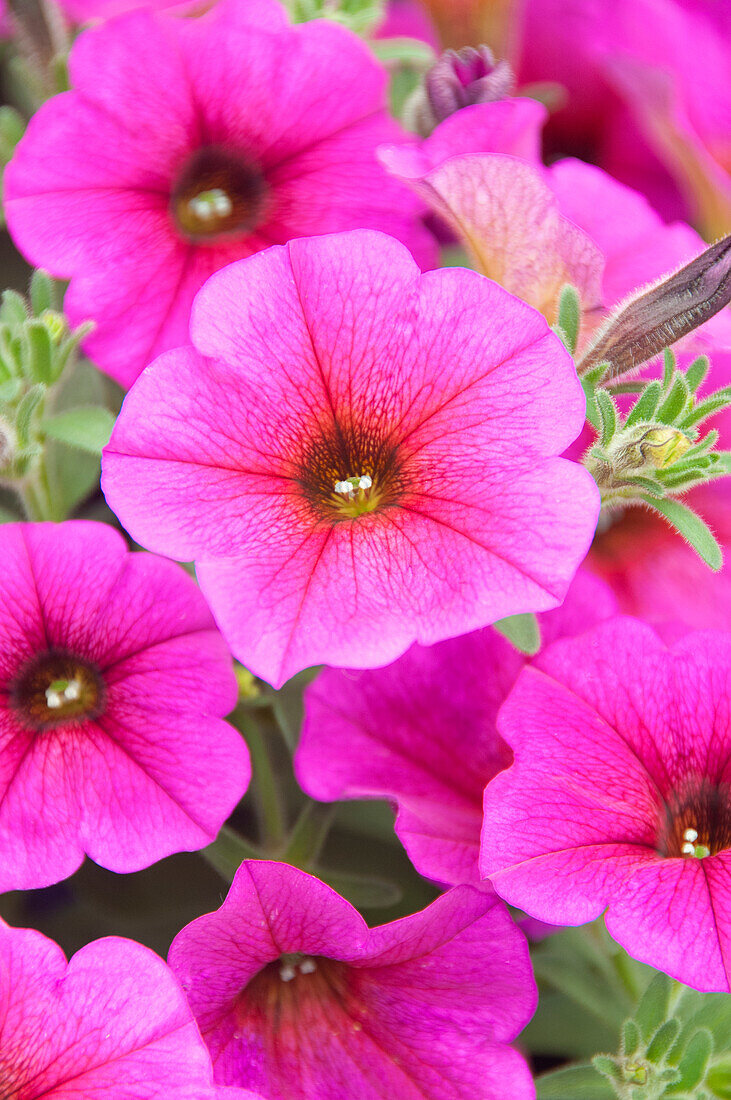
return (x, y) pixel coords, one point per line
(675, 402)
(608, 414)
(404, 51)
(41, 292)
(40, 352)
(692, 1065)
(522, 631)
(653, 1007)
(692, 528)
(362, 891)
(711, 405)
(645, 406)
(574, 1083)
(228, 851)
(13, 309)
(569, 315)
(668, 367)
(89, 429)
(663, 1039)
(25, 411)
(697, 372)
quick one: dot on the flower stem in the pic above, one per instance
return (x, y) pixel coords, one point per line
(268, 801)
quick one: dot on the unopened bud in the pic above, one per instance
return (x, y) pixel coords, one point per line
(663, 446)
(657, 318)
(459, 79)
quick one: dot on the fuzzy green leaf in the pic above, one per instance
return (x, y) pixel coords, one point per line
(608, 414)
(692, 528)
(644, 408)
(697, 371)
(89, 429)
(569, 316)
(574, 1083)
(675, 402)
(653, 1007)
(522, 631)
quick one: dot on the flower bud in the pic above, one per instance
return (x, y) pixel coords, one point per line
(663, 446)
(656, 318)
(459, 79)
(55, 323)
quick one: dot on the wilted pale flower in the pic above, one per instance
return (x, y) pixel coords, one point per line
(619, 799)
(297, 997)
(440, 399)
(112, 680)
(189, 143)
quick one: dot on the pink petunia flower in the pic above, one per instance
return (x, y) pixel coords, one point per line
(357, 456)
(297, 997)
(189, 143)
(422, 733)
(112, 680)
(619, 798)
(112, 1022)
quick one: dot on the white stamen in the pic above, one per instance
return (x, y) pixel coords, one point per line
(344, 488)
(287, 972)
(690, 834)
(688, 849)
(308, 966)
(73, 691)
(53, 699)
(211, 204)
(365, 482)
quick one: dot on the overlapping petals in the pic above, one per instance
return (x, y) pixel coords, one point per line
(330, 359)
(113, 679)
(295, 996)
(619, 798)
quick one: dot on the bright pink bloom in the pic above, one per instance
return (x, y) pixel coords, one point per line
(422, 733)
(112, 680)
(111, 1022)
(441, 396)
(619, 798)
(88, 11)
(296, 996)
(189, 143)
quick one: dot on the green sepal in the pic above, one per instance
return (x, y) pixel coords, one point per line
(13, 310)
(644, 407)
(39, 351)
(522, 631)
(574, 1083)
(608, 417)
(653, 1007)
(88, 428)
(691, 527)
(569, 316)
(693, 1063)
(663, 1040)
(697, 371)
(675, 403)
(42, 292)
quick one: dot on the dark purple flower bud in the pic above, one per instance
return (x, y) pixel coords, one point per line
(461, 78)
(458, 79)
(655, 318)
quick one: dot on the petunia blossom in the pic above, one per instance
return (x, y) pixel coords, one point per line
(422, 733)
(619, 797)
(113, 679)
(507, 216)
(357, 456)
(112, 1021)
(296, 997)
(188, 143)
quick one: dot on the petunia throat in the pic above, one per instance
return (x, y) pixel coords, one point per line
(217, 195)
(55, 688)
(697, 820)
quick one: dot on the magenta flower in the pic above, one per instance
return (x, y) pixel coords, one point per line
(422, 733)
(112, 680)
(295, 996)
(365, 459)
(619, 798)
(111, 1022)
(189, 143)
